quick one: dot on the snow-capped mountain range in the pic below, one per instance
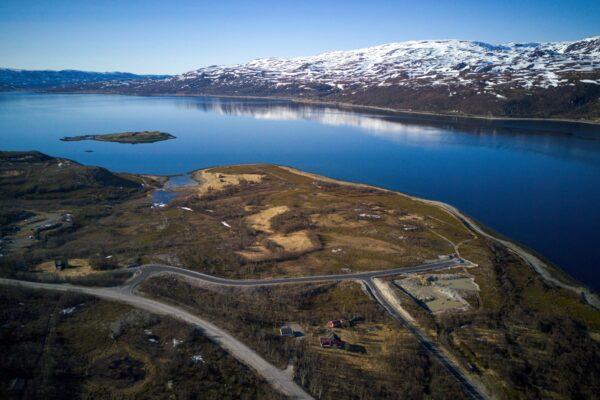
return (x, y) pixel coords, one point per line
(412, 63)
(457, 77)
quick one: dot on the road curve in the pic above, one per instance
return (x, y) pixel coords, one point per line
(145, 271)
(273, 375)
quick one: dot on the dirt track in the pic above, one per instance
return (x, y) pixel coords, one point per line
(273, 375)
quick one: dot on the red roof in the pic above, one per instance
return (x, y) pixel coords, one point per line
(329, 342)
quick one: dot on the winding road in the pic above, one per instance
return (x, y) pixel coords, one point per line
(149, 270)
(273, 375)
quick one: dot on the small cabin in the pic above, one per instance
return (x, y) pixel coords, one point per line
(331, 340)
(409, 228)
(286, 331)
(60, 264)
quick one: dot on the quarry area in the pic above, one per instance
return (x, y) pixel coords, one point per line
(440, 293)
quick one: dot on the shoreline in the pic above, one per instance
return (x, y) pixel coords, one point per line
(345, 105)
(542, 268)
(399, 112)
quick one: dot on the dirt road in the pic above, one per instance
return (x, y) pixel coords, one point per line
(273, 375)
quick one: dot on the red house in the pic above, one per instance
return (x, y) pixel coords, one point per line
(337, 323)
(332, 340)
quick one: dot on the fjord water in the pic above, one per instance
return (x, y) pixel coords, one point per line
(535, 182)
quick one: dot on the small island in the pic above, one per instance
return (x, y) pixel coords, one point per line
(124, 137)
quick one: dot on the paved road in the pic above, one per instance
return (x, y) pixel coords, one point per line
(276, 377)
(148, 270)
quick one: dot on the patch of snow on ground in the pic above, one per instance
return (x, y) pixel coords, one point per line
(197, 358)
(67, 311)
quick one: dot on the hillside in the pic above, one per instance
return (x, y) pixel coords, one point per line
(33, 175)
(547, 80)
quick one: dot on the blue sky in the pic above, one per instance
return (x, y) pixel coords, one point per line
(178, 36)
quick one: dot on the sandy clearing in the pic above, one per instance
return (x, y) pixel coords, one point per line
(255, 253)
(77, 267)
(261, 221)
(295, 242)
(217, 181)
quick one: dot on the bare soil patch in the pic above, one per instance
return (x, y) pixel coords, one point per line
(440, 292)
(262, 221)
(76, 267)
(295, 242)
(216, 181)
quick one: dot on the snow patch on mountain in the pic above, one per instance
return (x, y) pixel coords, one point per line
(414, 63)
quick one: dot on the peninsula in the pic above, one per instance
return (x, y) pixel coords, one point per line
(346, 285)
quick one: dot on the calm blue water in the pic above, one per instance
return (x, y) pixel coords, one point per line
(166, 195)
(538, 183)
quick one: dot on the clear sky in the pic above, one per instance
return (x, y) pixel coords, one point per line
(178, 36)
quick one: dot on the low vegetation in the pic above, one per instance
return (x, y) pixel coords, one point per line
(71, 346)
(380, 360)
(523, 338)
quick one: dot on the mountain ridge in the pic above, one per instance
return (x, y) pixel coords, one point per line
(456, 77)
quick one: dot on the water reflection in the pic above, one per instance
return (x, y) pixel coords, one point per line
(380, 120)
(288, 111)
(552, 138)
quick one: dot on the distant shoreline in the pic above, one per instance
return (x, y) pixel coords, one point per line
(395, 112)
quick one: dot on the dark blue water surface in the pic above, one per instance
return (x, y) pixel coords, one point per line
(538, 183)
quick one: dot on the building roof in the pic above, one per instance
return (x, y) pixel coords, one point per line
(285, 330)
